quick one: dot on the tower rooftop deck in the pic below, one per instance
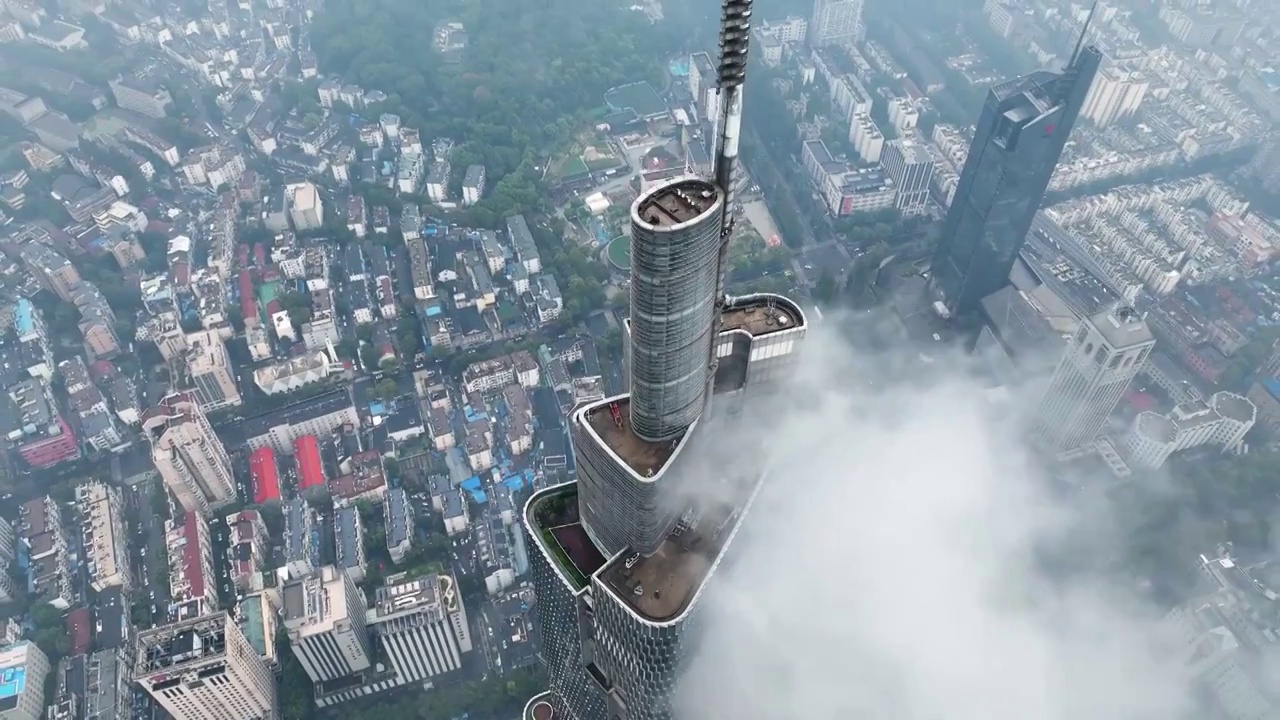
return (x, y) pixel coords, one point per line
(677, 203)
(659, 587)
(760, 316)
(644, 457)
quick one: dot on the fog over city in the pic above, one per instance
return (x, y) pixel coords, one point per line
(889, 570)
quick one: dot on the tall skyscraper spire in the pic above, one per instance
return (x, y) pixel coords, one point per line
(621, 555)
(1084, 31)
(1020, 135)
(735, 40)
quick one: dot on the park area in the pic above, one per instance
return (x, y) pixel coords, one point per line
(638, 97)
(590, 152)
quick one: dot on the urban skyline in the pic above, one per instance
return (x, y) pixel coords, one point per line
(394, 359)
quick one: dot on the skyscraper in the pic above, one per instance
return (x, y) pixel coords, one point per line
(835, 22)
(1117, 93)
(676, 231)
(1024, 125)
(621, 556)
(421, 627)
(1096, 368)
(212, 372)
(188, 455)
(909, 163)
(24, 667)
(205, 669)
(324, 614)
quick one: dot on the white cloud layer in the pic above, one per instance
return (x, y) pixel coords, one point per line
(888, 572)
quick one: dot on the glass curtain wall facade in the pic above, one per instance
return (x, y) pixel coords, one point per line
(1023, 128)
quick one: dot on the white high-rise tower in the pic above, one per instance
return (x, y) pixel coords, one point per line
(188, 455)
(325, 616)
(835, 22)
(1099, 363)
(205, 669)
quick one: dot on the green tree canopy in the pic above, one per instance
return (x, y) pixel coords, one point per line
(514, 96)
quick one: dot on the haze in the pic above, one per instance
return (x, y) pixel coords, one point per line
(888, 572)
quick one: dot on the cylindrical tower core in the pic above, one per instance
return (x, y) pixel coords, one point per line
(675, 239)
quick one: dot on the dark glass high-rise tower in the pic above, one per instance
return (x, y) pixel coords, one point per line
(1024, 126)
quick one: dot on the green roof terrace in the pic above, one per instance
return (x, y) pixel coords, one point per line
(553, 514)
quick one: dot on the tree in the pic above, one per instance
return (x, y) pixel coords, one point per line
(613, 342)
(178, 133)
(159, 499)
(51, 630)
(369, 357)
(45, 616)
(254, 234)
(391, 467)
(235, 316)
(862, 277)
(296, 304)
(1245, 362)
(513, 97)
(296, 688)
(140, 614)
(825, 289)
(386, 389)
(407, 332)
(347, 348)
(156, 246)
(497, 696)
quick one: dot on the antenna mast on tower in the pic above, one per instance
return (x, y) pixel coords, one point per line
(735, 38)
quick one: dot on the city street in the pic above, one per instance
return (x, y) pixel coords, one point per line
(150, 557)
(485, 629)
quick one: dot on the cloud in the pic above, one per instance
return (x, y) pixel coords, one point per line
(893, 568)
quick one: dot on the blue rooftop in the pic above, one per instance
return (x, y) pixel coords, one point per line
(472, 486)
(1273, 386)
(12, 682)
(24, 317)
